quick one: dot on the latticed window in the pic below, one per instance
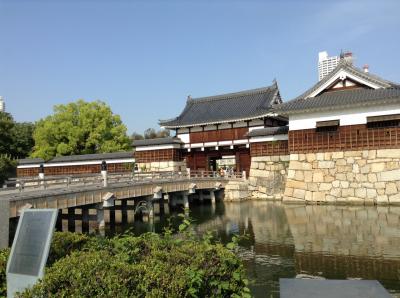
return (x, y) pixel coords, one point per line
(383, 121)
(327, 126)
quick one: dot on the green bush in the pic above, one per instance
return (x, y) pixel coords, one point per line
(64, 243)
(3, 266)
(150, 265)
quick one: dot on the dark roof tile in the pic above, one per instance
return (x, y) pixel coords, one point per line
(243, 105)
(154, 142)
(334, 100)
(30, 161)
(88, 157)
(269, 131)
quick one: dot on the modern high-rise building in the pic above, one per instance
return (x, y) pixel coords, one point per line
(326, 64)
(2, 104)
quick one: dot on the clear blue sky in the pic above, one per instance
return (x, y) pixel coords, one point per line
(144, 57)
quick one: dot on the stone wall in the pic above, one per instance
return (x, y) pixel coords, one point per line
(352, 177)
(268, 176)
(236, 190)
(162, 166)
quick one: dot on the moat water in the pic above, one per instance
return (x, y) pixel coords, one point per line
(332, 242)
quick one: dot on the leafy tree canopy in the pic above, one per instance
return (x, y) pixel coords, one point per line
(151, 133)
(15, 142)
(22, 143)
(6, 133)
(136, 136)
(80, 128)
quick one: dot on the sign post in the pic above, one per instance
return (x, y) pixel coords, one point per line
(30, 249)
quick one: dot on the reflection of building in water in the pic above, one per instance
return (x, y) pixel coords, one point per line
(356, 231)
(341, 242)
(265, 222)
(330, 241)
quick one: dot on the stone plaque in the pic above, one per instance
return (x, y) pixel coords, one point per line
(30, 248)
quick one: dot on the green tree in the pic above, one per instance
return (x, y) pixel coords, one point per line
(151, 133)
(136, 136)
(7, 168)
(23, 142)
(80, 128)
(6, 133)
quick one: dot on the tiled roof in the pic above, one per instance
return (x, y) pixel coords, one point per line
(77, 158)
(244, 105)
(268, 131)
(87, 157)
(346, 66)
(154, 142)
(334, 100)
(30, 161)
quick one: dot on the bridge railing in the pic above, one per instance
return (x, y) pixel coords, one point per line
(21, 184)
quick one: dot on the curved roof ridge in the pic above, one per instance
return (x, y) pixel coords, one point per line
(339, 99)
(345, 65)
(231, 95)
(237, 106)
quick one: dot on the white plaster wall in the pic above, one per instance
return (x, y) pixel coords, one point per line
(224, 126)
(268, 138)
(240, 124)
(256, 127)
(196, 129)
(184, 137)
(256, 122)
(182, 130)
(210, 127)
(159, 147)
(346, 117)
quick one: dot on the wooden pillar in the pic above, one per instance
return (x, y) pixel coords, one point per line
(71, 219)
(112, 217)
(161, 202)
(124, 212)
(85, 219)
(59, 221)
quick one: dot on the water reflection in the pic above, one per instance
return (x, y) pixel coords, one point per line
(337, 242)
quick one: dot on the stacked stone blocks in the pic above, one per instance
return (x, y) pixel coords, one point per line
(236, 190)
(363, 177)
(268, 176)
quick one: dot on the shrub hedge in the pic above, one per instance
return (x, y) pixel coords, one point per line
(3, 264)
(150, 265)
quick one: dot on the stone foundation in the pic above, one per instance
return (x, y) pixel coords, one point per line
(364, 177)
(268, 176)
(237, 191)
(162, 166)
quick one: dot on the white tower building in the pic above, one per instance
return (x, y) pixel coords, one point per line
(2, 105)
(326, 64)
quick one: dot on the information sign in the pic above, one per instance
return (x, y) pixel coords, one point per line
(30, 248)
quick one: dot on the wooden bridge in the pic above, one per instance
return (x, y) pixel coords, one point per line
(76, 196)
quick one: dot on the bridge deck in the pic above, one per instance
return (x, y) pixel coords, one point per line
(78, 195)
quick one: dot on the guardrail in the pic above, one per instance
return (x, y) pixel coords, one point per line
(21, 184)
